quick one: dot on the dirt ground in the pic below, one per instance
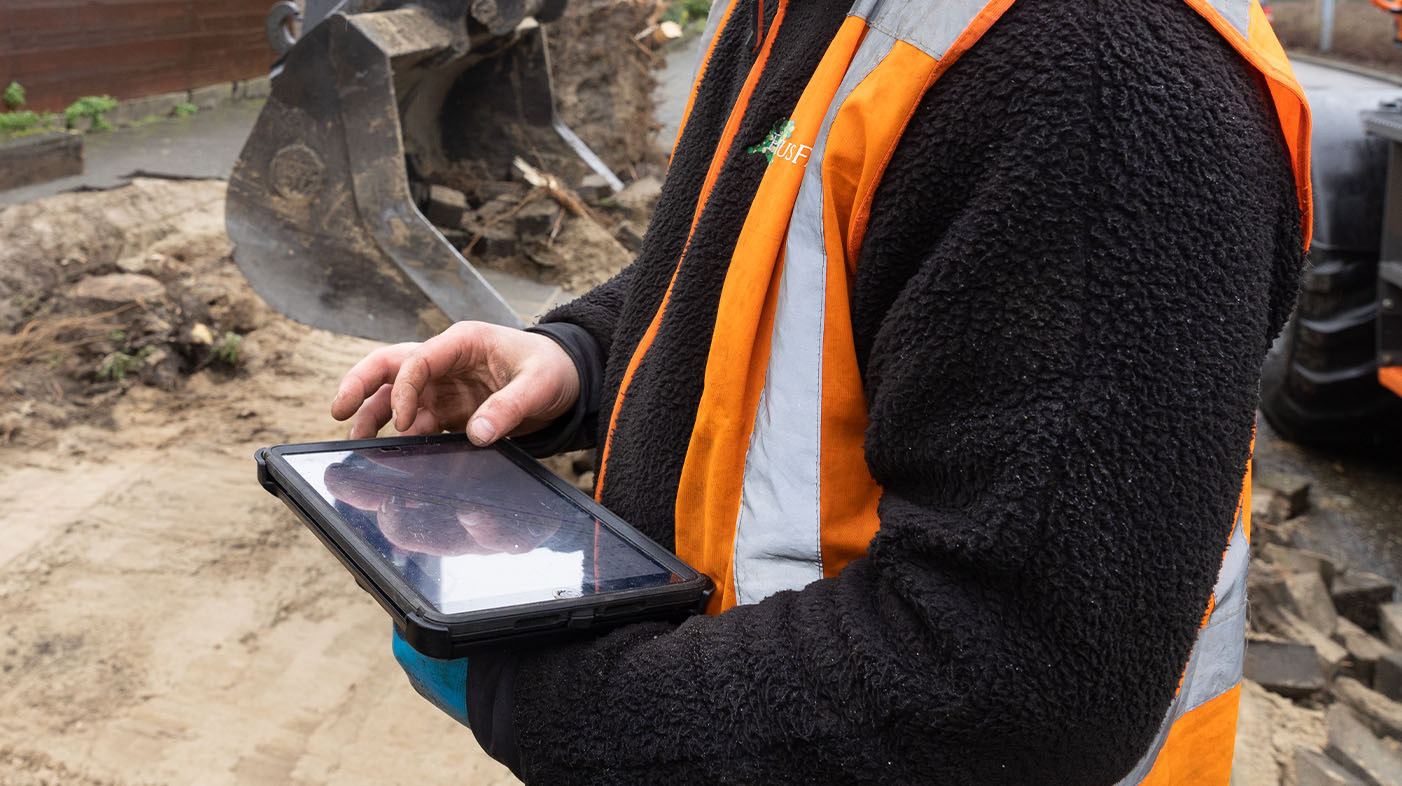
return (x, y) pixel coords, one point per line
(162, 618)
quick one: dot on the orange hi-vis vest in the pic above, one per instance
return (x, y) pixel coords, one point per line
(775, 492)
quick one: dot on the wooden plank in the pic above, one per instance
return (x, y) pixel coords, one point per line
(61, 50)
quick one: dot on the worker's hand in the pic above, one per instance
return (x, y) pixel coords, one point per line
(491, 380)
(442, 682)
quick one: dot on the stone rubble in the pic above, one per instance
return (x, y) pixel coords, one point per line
(1324, 636)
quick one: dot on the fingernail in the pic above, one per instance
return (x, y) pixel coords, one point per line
(482, 431)
(394, 418)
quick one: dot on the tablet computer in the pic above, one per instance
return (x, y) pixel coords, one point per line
(470, 547)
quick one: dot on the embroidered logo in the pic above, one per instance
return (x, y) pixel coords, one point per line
(776, 144)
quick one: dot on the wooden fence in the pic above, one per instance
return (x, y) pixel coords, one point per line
(61, 50)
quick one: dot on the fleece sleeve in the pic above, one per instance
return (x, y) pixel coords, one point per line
(1061, 381)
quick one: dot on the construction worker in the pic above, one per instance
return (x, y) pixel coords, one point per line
(940, 356)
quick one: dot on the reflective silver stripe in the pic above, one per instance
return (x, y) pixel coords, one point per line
(1238, 12)
(1216, 663)
(931, 30)
(778, 531)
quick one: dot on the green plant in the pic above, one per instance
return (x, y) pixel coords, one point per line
(14, 122)
(684, 11)
(93, 107)
(115, 366)
(118, 335)
(227, 350)
(185, 109)
(13, 96)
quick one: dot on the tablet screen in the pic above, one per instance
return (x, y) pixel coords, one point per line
(469, 529)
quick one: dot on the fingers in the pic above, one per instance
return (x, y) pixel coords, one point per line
(372, 415)
(366, 377)
(445, 355)
(504, 411)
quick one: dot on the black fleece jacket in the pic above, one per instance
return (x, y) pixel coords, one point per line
(1084, 244)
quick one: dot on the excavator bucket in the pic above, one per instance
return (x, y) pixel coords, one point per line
(367, 110)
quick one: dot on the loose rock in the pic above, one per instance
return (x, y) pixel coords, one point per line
(119, 288)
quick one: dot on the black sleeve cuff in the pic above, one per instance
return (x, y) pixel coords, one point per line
(574, 430)
(490, 678)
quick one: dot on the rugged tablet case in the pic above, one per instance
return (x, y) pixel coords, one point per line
(439, 635)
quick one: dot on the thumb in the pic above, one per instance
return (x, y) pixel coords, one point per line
(505, 410)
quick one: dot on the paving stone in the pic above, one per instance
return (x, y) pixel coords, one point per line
(593, 187)
(641, 193)
(1331, 655)
(1357, 596)
(535, 219)
(1364, 649)
(1310, 599)
(1292, 490)
(1264, 508)
(1381, 714)
(1353, 745)
(1295, 560)
(1390, 623)
(1287, 668)
(629, 236)
(1387, 675)
(445, 207)
(1313, 768)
